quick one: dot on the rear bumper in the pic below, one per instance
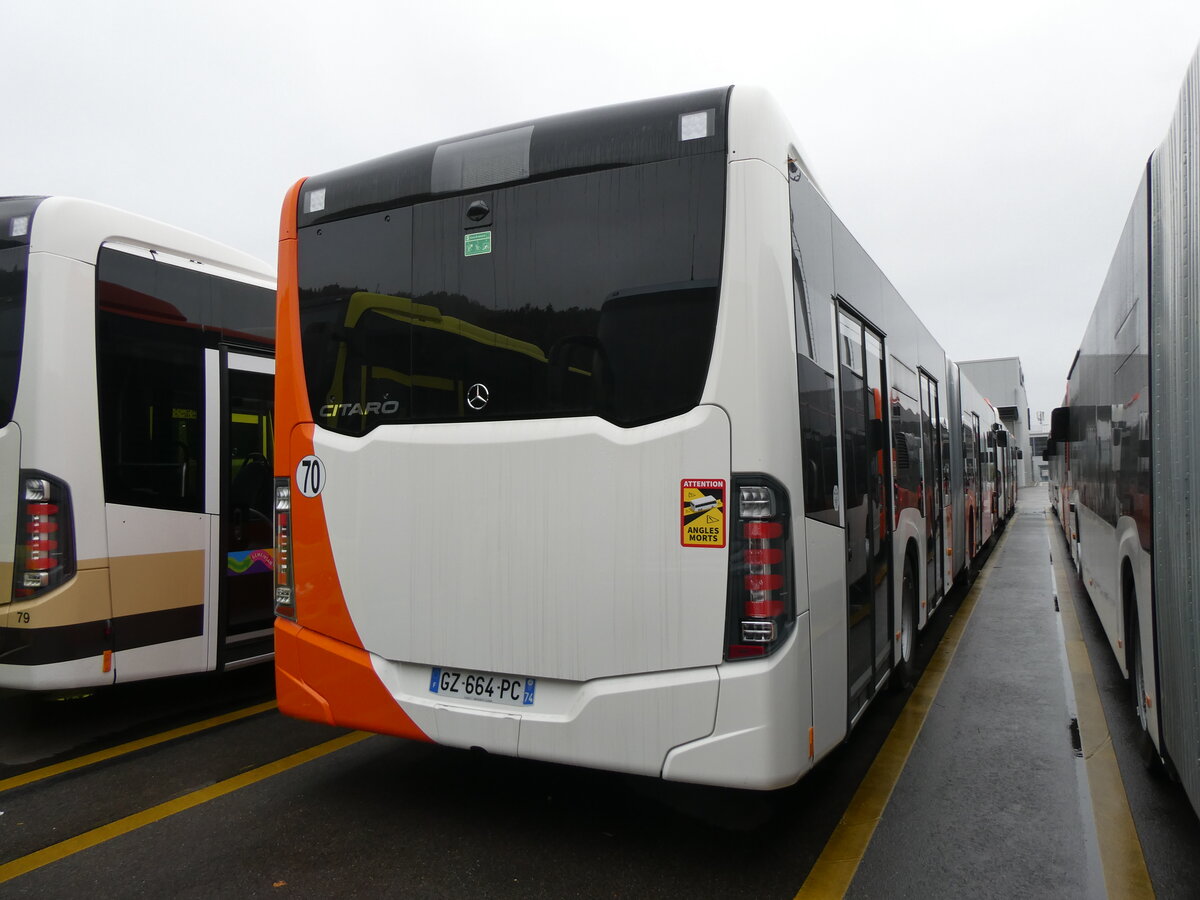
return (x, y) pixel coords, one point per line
(626, 724)
(59, 676)
(762, 738)
(741, 724)
(59, 640)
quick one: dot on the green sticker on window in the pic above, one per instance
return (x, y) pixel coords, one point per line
(477, 244)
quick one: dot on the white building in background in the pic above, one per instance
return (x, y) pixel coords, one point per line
(1002, 381)
(1041, 468)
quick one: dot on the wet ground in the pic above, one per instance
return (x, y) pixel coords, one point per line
(993, 801)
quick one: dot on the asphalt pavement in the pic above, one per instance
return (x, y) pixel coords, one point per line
(199, 788)
(993, 801)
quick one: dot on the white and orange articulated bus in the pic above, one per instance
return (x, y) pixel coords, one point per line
(602, 441)
(136, 430)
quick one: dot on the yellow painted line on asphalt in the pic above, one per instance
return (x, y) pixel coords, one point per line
(1121, 857)
(121, 749)
(835, 867)
(88, 839)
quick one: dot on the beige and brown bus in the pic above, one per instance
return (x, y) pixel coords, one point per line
(136, 371)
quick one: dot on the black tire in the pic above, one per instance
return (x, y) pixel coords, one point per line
(902, 674)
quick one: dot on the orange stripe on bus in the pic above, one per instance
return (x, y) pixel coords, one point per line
(291, 405)
(295, 698)
(320, 603)
(329, 681)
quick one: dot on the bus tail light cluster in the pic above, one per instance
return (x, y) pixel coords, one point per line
(285, 597)
(45, 545)
(761, 604)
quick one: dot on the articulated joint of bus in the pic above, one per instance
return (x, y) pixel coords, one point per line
(761, 597)
(45, 539)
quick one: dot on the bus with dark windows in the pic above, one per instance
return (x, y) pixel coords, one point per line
(136, 435)
(601, 440)
(1124, 449)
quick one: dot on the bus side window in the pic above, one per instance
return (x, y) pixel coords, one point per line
(150, 385)
(818, 441)
(151, 420)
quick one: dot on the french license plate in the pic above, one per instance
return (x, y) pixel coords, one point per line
(511, 690)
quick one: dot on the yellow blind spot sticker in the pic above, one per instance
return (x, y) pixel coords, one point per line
(702, 512)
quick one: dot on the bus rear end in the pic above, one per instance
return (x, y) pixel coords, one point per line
(36, 553)
(506, 517)
(15, 220)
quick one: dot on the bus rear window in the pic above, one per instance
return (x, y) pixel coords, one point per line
(588, 294)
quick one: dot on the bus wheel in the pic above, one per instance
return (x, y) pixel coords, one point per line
(1137, 686)
(902, 674)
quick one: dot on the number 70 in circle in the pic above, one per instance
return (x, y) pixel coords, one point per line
(310, 476)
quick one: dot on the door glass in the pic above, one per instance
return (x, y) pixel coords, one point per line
(859, 651)
(247, 504)
(878, 461)
(856, 485)
(931, 485)
(977, 485)
(938, 489)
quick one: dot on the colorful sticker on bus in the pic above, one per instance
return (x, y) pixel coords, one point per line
(702, 512)
(250, 562)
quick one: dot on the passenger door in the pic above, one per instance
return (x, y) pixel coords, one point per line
(246, 557)
(868, 518)
(931, 477)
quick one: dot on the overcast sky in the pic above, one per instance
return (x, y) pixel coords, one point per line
(985, 155)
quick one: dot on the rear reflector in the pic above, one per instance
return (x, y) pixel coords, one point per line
(746, 651)
(767, 609)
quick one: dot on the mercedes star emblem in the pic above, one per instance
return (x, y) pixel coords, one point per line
(477, 396)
